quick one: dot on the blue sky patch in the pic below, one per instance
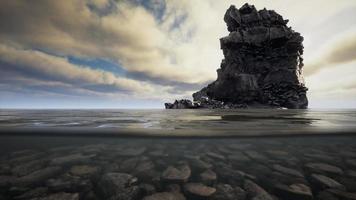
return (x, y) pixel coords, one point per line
(100, 64)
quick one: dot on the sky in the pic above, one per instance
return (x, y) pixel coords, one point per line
(142, 53)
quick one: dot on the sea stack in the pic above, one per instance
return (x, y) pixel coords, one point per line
(263, 65)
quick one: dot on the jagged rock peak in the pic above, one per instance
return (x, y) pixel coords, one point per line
(262, 65)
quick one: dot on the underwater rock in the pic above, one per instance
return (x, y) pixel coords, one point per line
(37, 177)
(69, 183)
(132, 151)
(114, 184)
(72, 159)
(324, 168)
(288, 171)
(198, 190)
(263, 65)
(28, 167)
(165, 196)
(254, 191)
(342, 194)
(227, 192)
(177, 174)
(208, 176)
(61, 196)
(216, 156)
(37, 192)
(147, 189)
(326, 182)
(198, 164)
(83, 170)
(294, 192)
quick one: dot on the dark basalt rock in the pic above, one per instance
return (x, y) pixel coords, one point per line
(262, 66)
(181, 104)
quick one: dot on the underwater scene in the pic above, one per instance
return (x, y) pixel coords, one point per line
(190, 154)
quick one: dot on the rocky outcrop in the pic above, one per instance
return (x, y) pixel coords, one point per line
(263, 64)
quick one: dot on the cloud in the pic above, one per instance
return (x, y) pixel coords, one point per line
(338, 51)
(128, 34)
(333, 86)
(48, 67)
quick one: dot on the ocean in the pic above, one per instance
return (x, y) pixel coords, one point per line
(178, 154)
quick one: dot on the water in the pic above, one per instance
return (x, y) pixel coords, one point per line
(184, 122)
(178, 154)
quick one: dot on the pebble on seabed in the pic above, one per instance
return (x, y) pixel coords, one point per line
(245, 173)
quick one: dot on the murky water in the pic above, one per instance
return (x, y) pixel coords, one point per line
(183, 154)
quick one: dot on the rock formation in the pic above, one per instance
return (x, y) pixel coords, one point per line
(262, 65)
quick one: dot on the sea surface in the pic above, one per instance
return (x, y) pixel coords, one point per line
(244, 122)
(178, 154)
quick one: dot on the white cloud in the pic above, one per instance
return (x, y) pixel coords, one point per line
(338, 50)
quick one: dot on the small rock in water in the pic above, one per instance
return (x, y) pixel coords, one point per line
(351, 173)
(255, 155)
(277, 153)
(158, 153)
(61, 196)
(144, 168)
(173, 188)
(227, 192)
(83, 170)
(24, 152)
(129, 164)
(351, 162)
(37, 177)
(216, 156)
(255, 192)
(17, 190)
(6, 181)
(208, 176)
(165, 196)
(28, 167)
(350, 184)
(147, 189)
(294, 192)
(199, 189)
(5, 169)
(69, 183)
(342, 194)
(112, 184)
(26, 158)
(324, 168)
(132, 151)
(326, 182)
(37, 192)
(177, 174)
(199, 164)
(288, 171)
(72, 159)
(238, 158)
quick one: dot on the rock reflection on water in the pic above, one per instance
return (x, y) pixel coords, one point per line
(178, 169)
